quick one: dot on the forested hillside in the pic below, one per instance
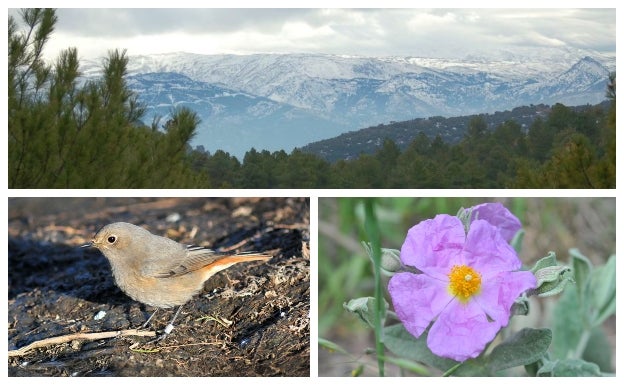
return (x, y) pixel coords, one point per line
(565, 149)
(452, 130)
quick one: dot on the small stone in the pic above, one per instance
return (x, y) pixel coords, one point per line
(101, 314)
(173, 217)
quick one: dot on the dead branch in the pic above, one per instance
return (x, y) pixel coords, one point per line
(79, 336)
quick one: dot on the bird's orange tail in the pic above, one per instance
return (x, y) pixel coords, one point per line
(229, 260)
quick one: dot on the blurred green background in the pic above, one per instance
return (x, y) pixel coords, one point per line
(345, 272)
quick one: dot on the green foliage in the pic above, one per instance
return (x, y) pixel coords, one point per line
(581, 312)
(523, 348)
(364, 309)
(569, 149)
(551, 277)
(580, 154)
(526, 347)
(401, 343)
(569, 368)
(62, 135)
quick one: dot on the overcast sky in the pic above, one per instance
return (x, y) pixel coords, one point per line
(362, 32)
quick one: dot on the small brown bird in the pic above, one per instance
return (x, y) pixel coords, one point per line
(158, 271)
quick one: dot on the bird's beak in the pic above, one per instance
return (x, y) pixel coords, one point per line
(90, 244)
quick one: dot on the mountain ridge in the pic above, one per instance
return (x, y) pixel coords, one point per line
(304, 98)
(350, 145)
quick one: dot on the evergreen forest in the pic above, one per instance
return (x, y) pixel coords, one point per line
(65, 132)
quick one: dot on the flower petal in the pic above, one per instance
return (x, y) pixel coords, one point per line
(498, 215)
(432, 246)
(487, 252)
(461, 331)
(417, 300)
(499, 292)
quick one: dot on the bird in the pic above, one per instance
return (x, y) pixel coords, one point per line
(159, 271)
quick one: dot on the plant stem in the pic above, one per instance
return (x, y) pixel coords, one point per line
(582, 344)
(451, 370)
(372, 230)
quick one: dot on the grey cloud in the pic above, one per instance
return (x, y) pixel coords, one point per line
(129, 22)
(375, 32)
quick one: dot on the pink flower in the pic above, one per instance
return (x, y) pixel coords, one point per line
(467, 285)
(499, 216)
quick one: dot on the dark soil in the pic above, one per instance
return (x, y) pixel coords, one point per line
(55, 288)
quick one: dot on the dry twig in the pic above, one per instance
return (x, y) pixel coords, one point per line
(79, 336)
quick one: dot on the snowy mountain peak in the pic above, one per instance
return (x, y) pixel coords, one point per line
(589, 65)
(282, 101)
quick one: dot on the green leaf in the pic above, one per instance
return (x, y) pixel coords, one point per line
(569, 368)
(578, 312)
(552, 280)
(567, 325)
(357, 371)
(520, 306)
(516, 242)
(400, 342)
(551, 277)
(331, 346)
(602, 291)
(582, 269)
(476, 367)
(523, 348)
(598, 350)
(408, 365)
(532, 368)
(390, 259)
(364, 308)
(464, 216)
(547, 261)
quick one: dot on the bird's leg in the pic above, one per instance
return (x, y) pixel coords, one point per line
(149, 319)
(169, 327)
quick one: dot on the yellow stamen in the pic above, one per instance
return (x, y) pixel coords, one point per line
(464, 281)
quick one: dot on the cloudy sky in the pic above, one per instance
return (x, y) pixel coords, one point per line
(444, 32)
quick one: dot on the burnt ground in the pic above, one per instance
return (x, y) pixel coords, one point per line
(56, 288)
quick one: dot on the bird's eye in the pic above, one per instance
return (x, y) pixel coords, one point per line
(111, 239)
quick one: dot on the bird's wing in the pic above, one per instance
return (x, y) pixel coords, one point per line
(198, 257)
(193, 258)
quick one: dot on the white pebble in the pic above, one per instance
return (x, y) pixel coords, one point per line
(101, 314)
(172, 218)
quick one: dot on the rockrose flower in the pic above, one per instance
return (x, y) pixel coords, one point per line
(466, 284)
(499, 216)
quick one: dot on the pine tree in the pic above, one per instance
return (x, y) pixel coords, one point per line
(65, 136)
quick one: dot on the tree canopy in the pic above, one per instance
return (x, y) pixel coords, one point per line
(67, 133)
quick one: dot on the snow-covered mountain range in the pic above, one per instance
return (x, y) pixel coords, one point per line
(282, 101)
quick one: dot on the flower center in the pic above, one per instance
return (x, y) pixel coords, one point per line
(464, 281)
